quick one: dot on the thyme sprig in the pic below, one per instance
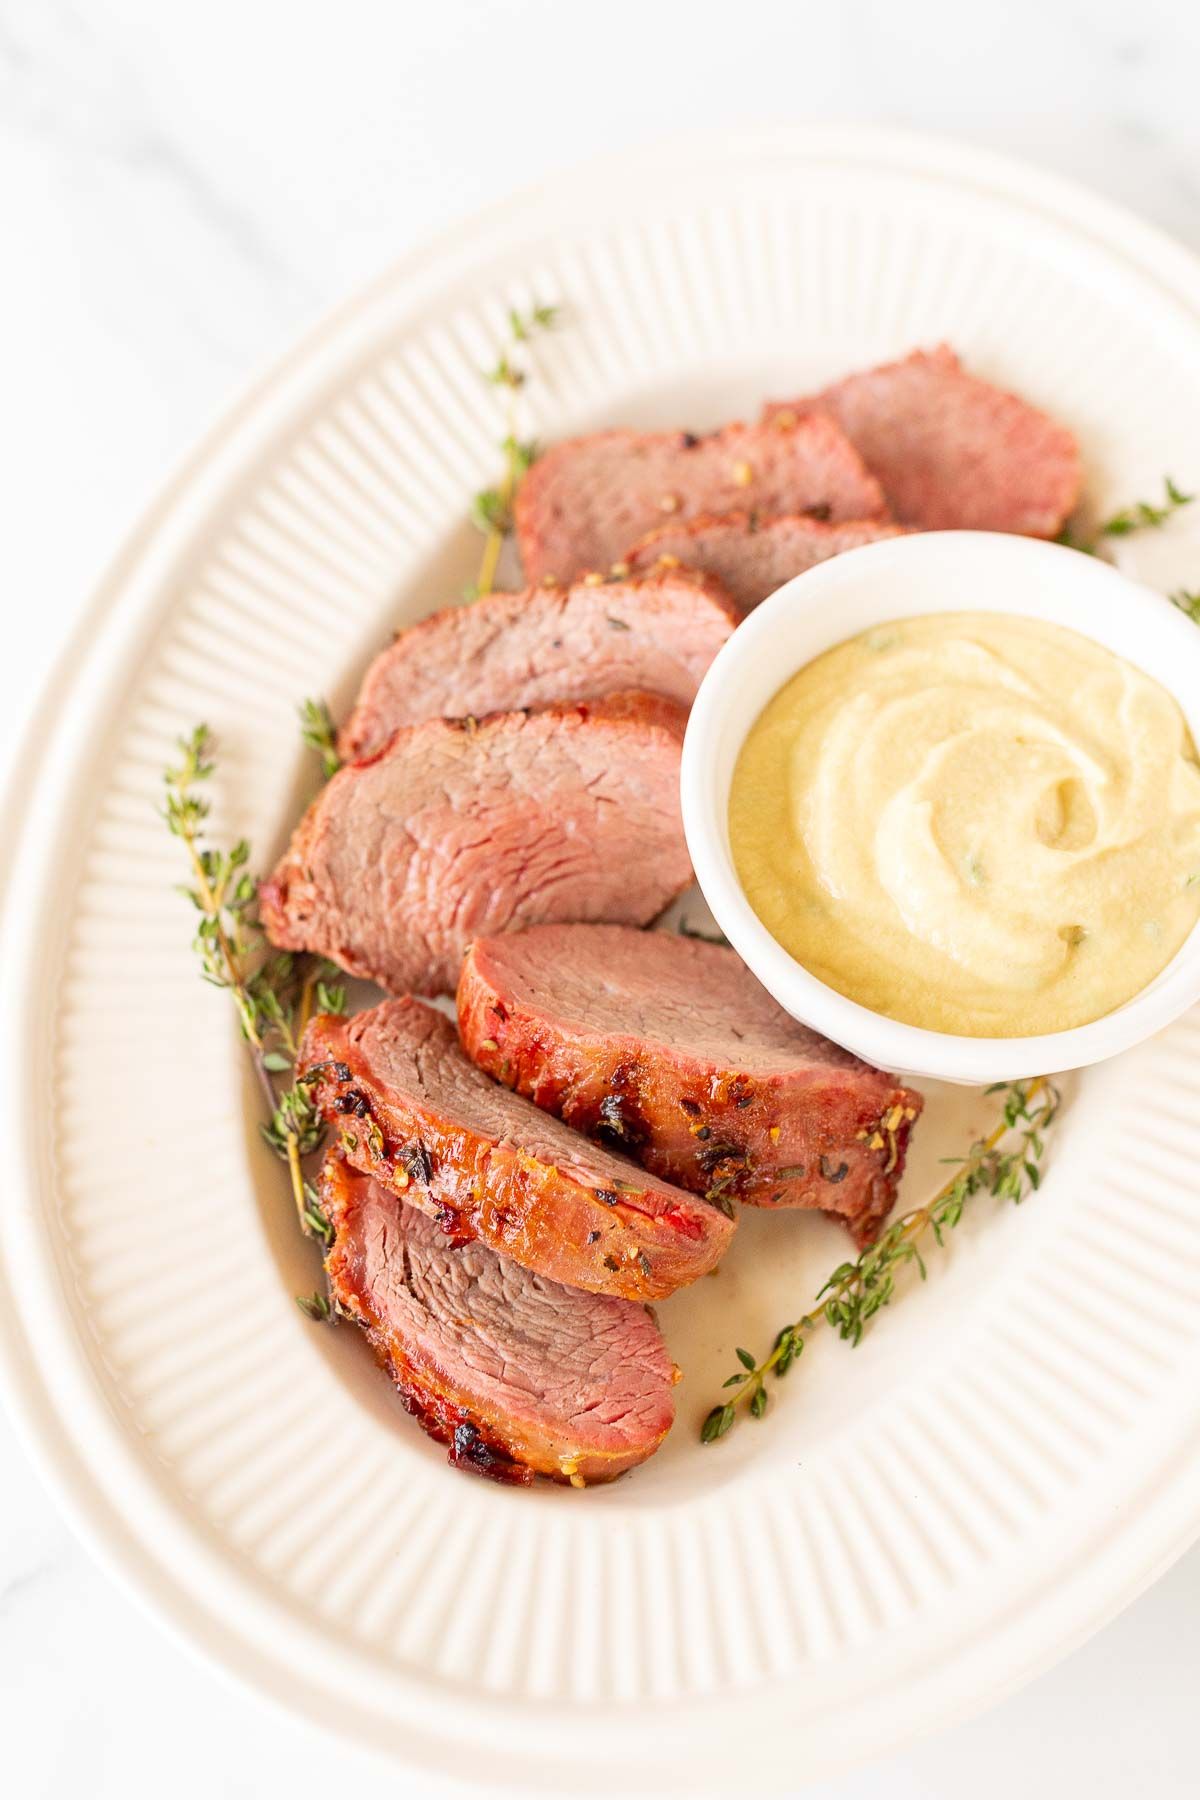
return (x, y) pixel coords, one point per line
(857, 1290)
(274, 993)
(314, 1306)
(491, 509)
(688, 930)
(1187, 602)
(1143, 515)
(319, 733)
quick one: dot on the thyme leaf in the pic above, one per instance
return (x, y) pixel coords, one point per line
(856, 1291)
(1187, 602)
(295, 1121)
(491, 513)
(319, 733)
(504, 373)
(314, 1216)
(273, 992)
(491, 509)
(314, 1306)
(520, 454)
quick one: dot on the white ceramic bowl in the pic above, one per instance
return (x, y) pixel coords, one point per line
(950, 571)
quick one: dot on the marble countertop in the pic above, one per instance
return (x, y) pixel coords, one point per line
(182, 190)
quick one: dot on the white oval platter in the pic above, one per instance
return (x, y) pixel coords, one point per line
(919, 1525)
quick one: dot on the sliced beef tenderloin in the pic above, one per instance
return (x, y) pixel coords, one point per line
(583, 502)
(517, 1374)
(749, 555)
(952, 451)
(413, 1112)
(458, 828)
(508, 651)
(669, 1047)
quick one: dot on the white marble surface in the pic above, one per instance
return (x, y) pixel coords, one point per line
(182, 189)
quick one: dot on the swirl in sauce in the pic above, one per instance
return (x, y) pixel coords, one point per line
(972, 822)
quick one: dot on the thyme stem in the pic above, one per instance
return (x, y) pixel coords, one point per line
(497, 530)
(296, 1177)
(492, 509)
(311, 980)
(1143, 515)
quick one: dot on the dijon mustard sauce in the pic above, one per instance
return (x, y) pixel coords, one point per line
(972, 822)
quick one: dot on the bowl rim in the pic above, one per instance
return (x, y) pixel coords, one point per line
(1080, 582)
